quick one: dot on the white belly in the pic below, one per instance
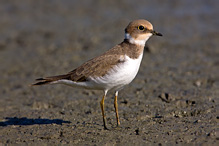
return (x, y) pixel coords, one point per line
(120, 75)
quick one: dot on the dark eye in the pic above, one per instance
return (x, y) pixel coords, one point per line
(141, 27)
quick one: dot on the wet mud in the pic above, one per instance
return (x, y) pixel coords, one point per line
(173, 100)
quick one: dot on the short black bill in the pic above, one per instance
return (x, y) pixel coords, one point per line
(156, 33)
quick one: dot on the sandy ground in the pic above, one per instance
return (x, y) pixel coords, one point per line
(173, 100)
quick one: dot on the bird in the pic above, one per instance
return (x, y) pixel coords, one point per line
(113, 69)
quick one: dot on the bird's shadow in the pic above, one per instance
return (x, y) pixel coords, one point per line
(26, 121)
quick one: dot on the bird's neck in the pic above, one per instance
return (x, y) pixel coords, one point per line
(132, 50)
(138, 40)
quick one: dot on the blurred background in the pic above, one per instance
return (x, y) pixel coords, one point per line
(41, 38)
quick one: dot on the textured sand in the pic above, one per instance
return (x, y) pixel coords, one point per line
(173, 100)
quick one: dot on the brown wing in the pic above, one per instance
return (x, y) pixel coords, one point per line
(98, 66)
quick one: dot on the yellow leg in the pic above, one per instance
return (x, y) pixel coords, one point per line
(116, 108)
(102, 108)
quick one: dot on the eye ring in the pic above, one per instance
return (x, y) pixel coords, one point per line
(141, 27)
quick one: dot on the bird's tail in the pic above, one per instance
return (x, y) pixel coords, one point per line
(49, 80)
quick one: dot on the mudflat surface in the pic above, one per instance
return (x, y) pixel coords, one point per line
(173, 100)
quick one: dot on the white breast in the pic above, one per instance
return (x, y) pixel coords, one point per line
(120, 75)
